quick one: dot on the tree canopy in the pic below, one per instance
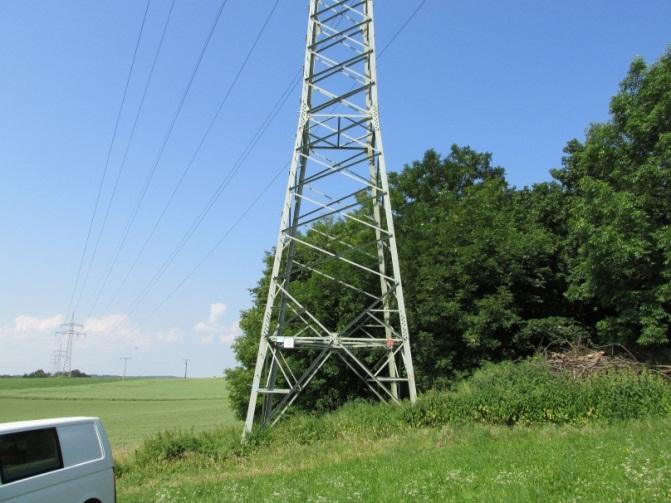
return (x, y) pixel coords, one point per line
(493, 272)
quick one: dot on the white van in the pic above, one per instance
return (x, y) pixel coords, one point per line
(66, 460)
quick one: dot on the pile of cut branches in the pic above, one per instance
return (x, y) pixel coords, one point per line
(580, 360)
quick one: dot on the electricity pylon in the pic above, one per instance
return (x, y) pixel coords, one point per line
(57, 358)
(338, 176)
(71, 330)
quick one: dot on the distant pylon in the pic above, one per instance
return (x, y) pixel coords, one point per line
(57, 358)
(70, 331)
(337, 174)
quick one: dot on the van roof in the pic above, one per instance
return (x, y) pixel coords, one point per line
(43, 423)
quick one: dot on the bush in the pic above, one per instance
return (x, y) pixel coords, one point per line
(529, 393)
(506, 393)
(173, 445)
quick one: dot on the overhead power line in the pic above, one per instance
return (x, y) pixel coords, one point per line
(216, 245)
(259, 196)
(109, 154)
(216, 195)
(256, 137)
(164, 143)
(222, 186)
(193, 158)
(125, 154)
(400, 29)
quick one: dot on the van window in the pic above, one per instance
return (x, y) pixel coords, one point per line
(29, 453)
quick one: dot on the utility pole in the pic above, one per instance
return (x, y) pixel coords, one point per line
(125, 363)
(337, 173)
(186, 365)
(63, 358)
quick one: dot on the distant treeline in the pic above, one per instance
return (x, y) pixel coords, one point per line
(492, 272)
(42, 373)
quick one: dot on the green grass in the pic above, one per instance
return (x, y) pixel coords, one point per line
(130, 410)
(22, 383)
(510, 432)
(617, 462)
(135, 389)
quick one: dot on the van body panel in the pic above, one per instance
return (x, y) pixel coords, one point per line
(87, 471)
(80, 443)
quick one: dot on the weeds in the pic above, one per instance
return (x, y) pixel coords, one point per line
(525, 393)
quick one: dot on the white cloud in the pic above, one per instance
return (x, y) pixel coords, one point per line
(31, 332)
(31, 324)
(110, 330)
(117, 329)
(217, 312)
(104, 324)
(102, 332)
(29, 341)
(229, 333)
(215, 328)
(207, 339)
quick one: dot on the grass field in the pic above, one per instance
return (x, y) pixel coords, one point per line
(592, 462)
(131, 410)
(19, 383)
(624, 462)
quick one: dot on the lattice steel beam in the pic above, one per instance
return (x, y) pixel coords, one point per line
(338, 158)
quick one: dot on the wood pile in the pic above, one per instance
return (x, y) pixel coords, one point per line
(581, 361)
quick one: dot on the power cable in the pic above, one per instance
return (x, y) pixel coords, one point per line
(401, 28)
(216, 245)
(126, 150)
(164, 143)
(243, 156)
(189, 165)
(109, 154)
(217, 193)
(222, 186)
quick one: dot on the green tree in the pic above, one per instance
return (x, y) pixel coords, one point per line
(492, 272)
(480, 260)
(619, 184)
(479, 263)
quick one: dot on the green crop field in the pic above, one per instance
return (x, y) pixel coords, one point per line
(21, 383)
(131, 410)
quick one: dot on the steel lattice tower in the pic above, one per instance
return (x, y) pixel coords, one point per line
(337, 175)
(70, 331)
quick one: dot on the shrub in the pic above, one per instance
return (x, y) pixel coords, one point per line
(529, 393)
(172, 445)
(506, 393)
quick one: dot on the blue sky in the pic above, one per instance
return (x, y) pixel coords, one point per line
(516, 78)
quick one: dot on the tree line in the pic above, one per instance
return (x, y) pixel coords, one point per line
(493, 272)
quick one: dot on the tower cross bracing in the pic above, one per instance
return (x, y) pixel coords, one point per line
(337, 225)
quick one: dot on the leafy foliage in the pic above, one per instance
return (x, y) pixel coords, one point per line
(492, 272)
(618, 182)
(528, 393)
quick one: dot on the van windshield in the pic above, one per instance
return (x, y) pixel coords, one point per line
(29, 453)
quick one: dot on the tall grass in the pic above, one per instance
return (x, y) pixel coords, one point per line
(529, 393)
(525, 393)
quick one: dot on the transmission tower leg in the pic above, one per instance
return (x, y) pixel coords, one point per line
(260, 364)
(384, 287)
(384, 182)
